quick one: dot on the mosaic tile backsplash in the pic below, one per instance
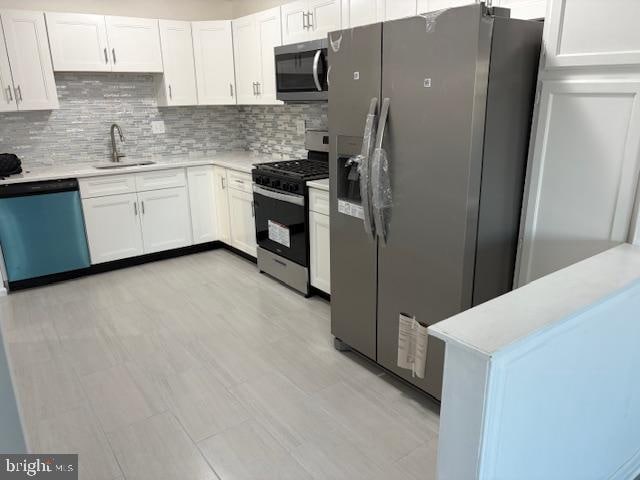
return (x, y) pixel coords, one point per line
(89, 103)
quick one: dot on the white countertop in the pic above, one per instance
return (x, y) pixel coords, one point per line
(236, 160)
(319, 184)
(498, 323)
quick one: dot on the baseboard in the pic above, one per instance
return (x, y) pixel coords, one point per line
(240, 253)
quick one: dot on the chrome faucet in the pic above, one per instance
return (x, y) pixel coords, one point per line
(115, 156)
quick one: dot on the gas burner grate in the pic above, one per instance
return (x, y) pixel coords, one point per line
(300, 168)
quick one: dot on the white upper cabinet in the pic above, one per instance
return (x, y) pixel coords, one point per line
(254, 38)
(394, 9)
(27, 50)
(7, 98)
(134, 44)
(525, 9)
(247, 58)
(213, 53)
(361, 12)
(310, 19)
(592, 33)
(78, 42)
(178, 84)
(269, 36)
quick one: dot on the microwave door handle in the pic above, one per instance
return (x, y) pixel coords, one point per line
(377, 174)
(316, 60)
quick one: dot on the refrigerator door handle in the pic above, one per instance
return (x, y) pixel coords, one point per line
(380, 181)
(364, 168)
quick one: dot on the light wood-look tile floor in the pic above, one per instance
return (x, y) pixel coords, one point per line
(199, 368)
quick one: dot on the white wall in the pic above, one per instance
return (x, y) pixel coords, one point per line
(171, 9)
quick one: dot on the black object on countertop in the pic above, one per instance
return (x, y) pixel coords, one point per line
(10, 164)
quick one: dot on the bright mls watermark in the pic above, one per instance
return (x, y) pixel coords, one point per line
(49, 467)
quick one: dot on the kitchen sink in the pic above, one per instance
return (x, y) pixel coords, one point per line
(112, 165)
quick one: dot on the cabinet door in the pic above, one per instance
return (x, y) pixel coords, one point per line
(78, 42)
(178, 84)
(134, 44)
(587, 139)
(213, 52)
(269, 33)
(242, 219)
(25, 34)
(165, 219)
(202, 203)
(361, 12)
(525, 9)
(221, 202)
(394, 9)
(324, 16)
(320, 251)
(434, 5)
(113, 227)
(294, 22)
(7, 98)
(247, 59)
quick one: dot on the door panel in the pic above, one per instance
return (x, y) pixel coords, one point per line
(355, 77)
(7, 97)
(326, 17)
(134, 44)
(25, 34)
(202, 204)
(179, 78)
(356, 13)
(425, 269)
(221, 204)
(395, 9)
(247, 58)
(78, 42)
(269, 32)
(293, 24)
(213, 52)
(241, 215)
(320, 268)
(165, 219)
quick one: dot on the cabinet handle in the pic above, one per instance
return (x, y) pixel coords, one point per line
(142, 206)
(106, 56)
(18, 93)
(170, 93)
(9, 94)
(113, 52)
(310, 20)
(253, 209)
(257, 88)
(255, 92)
(135, 208)
(222, 182)
(304, 20)
(231, 89)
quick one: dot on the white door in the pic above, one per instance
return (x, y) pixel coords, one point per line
(113, 227)
(221, 201)
(242, 219)
(320, 251)
(324, 16)
(295, 24)
(583, 174)
(361, 12)
(166, 222)
(7, 97)
(525, 9)
(25, 34)
(78, 42)
(394, 9)
(213, 52)
(592, 33)
(178, 83)
(134, 44)
(202, 203)
(269, 33)
(247, 59)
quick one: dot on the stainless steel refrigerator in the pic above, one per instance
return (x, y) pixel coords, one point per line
(429, 122)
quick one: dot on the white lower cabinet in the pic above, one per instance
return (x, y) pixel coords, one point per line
(242, 221)
(165, 219)
(202, 202)
(319, 240)
(221, 204)
(113, 227)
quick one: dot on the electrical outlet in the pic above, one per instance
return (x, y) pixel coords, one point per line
(301, 127)
(157, 126)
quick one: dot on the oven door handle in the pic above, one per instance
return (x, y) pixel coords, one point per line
(316, 60)
(284, 197)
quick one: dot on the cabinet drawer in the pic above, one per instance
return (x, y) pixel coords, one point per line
(319, 201)
(158, 179)
(240, 181)
(106, 185)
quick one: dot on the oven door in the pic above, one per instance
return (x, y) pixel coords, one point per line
(281, 223)
(301, 72)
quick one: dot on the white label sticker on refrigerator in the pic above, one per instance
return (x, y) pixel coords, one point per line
(351, 209)
(279, 233)
(412, 345)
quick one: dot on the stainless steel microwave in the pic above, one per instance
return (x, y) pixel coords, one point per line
(301, 72)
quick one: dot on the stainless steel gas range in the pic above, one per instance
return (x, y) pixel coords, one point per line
(281, 198)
